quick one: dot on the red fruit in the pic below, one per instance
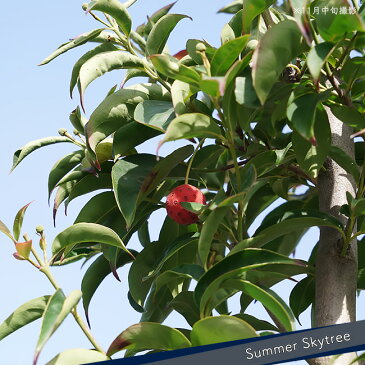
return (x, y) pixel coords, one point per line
(183, 193)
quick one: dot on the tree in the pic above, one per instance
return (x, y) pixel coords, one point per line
(275, 112)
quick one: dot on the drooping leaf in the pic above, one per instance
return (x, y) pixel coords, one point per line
(57, 309)
(302, 296)
(111, 114)
(115, 9)
(62, 167)
(104, 62)
(78, 41)
(190, 126)
(128, 176)
(332, 26)
(272, 55)
(149, 336)
(104, 47)
(155, 114)
(160, 32)
(96, 273)
(220, 329)
(184, 304)
(23, 315)
(23, 152)
(269, 299)
(225, 56)
(62, 193)
(77, 357)
(86, 232)
(18, 221)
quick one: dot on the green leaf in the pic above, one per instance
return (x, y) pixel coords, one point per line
(128, 176)
(77, 357)
(210, 227)
(18, 221)
(23, 315)
(180, 92)
(78, 41)
(345, 161)
(302, 296)
(245, 93)
(62, 193)
(86, 232)
(57, 309)
(272, 55)
(156, 16)
(251, 9)
(225, 56)
(257, 324)
(104, 47)
(112, 113)
(220, 329)
(23, 152)
(184, 304)
(332, 27)
(155, 114)
(171, 67)
(232, 8)
(349, 115)
(6, 231)
(269, 299)
(115, 9)
(96, 273)
(190, 126)
(105, 62)
(160, 32)
(131, 135)
(311, 157)
(78, 120)
(62, 167)
(318, 56)
(149, 336)
(233, 266)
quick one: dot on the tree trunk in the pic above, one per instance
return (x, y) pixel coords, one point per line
(336, 276)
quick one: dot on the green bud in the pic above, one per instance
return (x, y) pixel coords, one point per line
(85, 6)
(39, 229)
(200, 47)
(76, 132)
(62, 131)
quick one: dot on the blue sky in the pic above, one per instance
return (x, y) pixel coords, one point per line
(34, 104)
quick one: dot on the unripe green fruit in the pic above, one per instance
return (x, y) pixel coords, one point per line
(39, 229)
(62, 131)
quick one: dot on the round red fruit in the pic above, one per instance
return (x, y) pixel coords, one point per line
(183, 193)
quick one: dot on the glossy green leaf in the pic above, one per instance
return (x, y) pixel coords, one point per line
(160, 32)
(23, 315)
(86, 232)
(232, 8)
(300, 12)
(184, 304)
(62, 193)
(171, 67)
(115, 9)
(156, 16)
(317, 57)
(104, 47)
(78, 120)
(77, 357)
(210, 227)
(62, 167)
(30, 147)
(225, 56)
(78, 41)
(102, 63)
(155, 114)
(131, 135)
(349, 115)
(220, 329)
(269, 299)
(272, 55)
(190, 126)
(257, 324)
(331, 26)
(128, 176)
(149, 336)
(18, 221)
(251, 9)
(57, 309)
(245, 93)
(302, 296)
(96, 273)
(311, 157)
(111, 114)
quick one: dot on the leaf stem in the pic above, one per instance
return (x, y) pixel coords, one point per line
(192, 159)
